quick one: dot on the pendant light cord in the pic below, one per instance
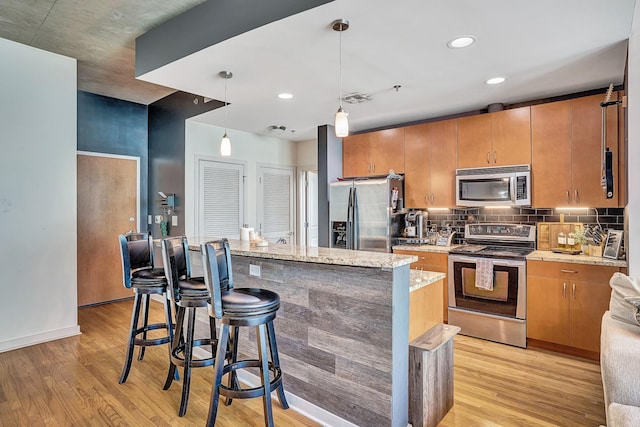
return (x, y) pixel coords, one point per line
(340, 62)
(225, 105)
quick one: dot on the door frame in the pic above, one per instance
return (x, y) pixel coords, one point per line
(121, 156)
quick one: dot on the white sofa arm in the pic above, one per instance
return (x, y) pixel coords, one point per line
(620, 362)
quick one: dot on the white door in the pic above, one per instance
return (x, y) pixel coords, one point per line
(311, 211)
(276, 207)
(220, 199)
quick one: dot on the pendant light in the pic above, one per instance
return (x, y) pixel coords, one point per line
(225, 144)
(342, 122)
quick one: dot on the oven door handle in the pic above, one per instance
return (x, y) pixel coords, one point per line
(512, 190)
(496, 261)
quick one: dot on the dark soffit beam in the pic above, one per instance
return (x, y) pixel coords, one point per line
(208, 24)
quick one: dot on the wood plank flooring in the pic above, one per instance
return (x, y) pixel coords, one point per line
(74, 382)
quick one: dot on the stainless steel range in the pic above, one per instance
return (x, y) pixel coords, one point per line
(488, 282)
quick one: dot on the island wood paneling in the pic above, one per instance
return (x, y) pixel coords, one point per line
(336, 338)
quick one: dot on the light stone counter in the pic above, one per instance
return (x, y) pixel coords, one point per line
(419, 279)
(574, 259)
(331, 256)
(424, 248)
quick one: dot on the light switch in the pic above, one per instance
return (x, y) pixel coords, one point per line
(174, 220)
(149, 219)
(254, 270)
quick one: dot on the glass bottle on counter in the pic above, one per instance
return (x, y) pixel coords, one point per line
(562, 240)
(571, 241)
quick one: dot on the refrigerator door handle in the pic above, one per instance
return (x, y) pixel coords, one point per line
(355, 238)
(349, 242)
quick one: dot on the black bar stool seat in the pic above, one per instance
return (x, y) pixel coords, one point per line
(136, 250)
(236, 308)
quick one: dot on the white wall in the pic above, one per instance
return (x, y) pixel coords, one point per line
(37, 196)
(204, 140)
(633, 93)
(307, 155)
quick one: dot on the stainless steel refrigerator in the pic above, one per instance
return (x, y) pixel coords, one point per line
(365, 214)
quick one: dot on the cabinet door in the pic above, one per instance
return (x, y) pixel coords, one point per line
(417, 182)
(474, 141)
(356, 152)
(442, 166)
(586, 171)
(387, 151)
(511, 137)
(589, 301)
(551, 154)
(548, 309)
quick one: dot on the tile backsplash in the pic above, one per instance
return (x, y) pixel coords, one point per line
(457, 218)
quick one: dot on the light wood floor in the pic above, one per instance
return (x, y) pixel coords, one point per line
(74, 382)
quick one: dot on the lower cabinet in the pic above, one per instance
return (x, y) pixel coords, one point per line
(566, 301)
(432, 261)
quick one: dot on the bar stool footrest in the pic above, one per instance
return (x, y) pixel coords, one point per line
(177, 355)
(146, 342)
(247, 393)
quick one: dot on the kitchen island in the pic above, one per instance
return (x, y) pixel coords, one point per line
(342, 327)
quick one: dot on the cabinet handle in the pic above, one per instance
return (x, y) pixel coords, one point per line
(488, 154)
(426, 199)
(577, 196)
(564, 290)
(568, 271)
(573, 290)
(433, 198)
(568, 197)
(374, 167)
(495, 157)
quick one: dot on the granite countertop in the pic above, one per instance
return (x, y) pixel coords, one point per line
(419, 279)
(424, 248)
(312, 254)
(575, 259)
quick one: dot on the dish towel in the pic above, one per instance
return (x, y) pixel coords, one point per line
(484, 274)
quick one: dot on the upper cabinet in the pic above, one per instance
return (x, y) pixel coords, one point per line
(495, 139)
(373, 153)
(567, 153)
(430, 164)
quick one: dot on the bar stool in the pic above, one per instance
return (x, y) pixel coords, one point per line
(136, 250)
(188, 293)
(236, 308)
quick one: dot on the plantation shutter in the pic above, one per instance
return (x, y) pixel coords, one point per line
(276, 204)
(221, 195)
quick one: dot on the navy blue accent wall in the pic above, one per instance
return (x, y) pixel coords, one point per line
(166, 151)
(113, 126)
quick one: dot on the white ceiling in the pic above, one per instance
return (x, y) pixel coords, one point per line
(544, 48)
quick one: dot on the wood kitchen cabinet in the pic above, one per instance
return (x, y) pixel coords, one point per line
(432, 261)
(566, 153)
(502, 138)
(430, 164)
(373, 153)
(566, 301)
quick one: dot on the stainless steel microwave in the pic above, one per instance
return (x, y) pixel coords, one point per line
(494, 186)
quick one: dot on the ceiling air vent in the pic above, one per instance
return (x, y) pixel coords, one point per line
(356, 98)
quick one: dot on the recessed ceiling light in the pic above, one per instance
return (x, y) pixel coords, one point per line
(460, 42)
(285, 96)
(495, 80)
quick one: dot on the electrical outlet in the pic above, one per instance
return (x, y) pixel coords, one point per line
(174, 220)
(158, 219)
(254, 270)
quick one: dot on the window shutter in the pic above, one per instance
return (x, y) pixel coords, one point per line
(276, 202)
(221, 199)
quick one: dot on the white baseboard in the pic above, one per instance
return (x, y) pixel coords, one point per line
(39, 338)
(304, 407)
